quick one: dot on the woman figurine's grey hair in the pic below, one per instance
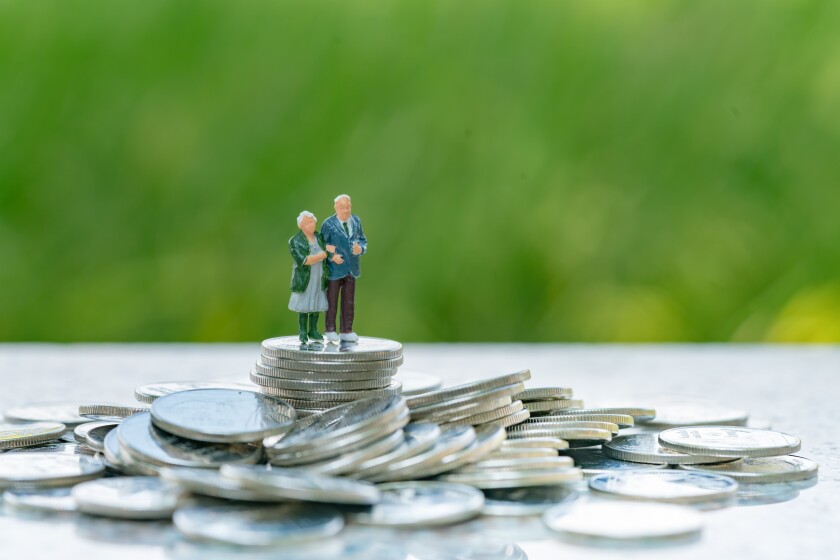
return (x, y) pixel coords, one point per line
(309, 276)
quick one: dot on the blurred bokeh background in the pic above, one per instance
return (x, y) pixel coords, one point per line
(526, 170)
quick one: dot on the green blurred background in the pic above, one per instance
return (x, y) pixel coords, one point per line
(526, 170)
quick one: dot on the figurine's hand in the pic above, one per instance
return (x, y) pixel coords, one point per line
(330, 248)
(337, 259)
(322, 255)
(357, 249)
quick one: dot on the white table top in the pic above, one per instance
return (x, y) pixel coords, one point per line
(796, 388)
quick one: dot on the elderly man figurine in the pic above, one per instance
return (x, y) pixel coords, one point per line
(309, 277)
(343, 233)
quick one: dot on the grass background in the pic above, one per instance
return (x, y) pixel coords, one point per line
(526, 170)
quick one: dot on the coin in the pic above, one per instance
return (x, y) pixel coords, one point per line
(518, 464)
(65, 412)
(222, 415)
(515, 479)
(727, 441)
(457, 411)
(487, 438)
(532, 442)
(42, 470)
(365, 349)
(457, 403)
(422, 504)
(459, 391)
(135, 497)
(32, 433)
(664, 486)
(148, 393)
(787, 468)
(259, 525)
(621, 420)
(677, 412)
(95, 438)
(122, 461)
(451, 440)
(639, 414)
(317, 385)
(508, 421)
(576, 437)
(494, 414)
(109, 412)
(419, 437)
(335, 396)
(80, 431)
(530, 500)
(379, 372)
(295, 484)
(55, 447)
(350, 461)
(330, 367)
(416, 382)
(624, 521)
(47, 499)
(210, 482)
(143, 441)
(524, 453)
(585, 424)
(645, 448)
(544, 393)
(549, 406)
(593, 461)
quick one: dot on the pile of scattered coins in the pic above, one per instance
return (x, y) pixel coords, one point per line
(328, 440)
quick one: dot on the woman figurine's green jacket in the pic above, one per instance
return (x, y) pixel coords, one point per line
(299, 247)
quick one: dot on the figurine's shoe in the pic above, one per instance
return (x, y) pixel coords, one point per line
(332, 336)
(313, 327)
(349, 337)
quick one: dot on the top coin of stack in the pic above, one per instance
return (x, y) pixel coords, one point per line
(315, 377)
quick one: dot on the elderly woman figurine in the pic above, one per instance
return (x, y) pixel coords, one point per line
(309, 276)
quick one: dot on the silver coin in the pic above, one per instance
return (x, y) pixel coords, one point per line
(330, 367)
(47, 499)
(509, 421)
(728, 441)
(624, 522)
(122, 461)
(55, 447)
(365, 349)
(787, 468)
(518, 464)
(148, 393)
(296, 484)
(95, 438)
(645, 448)
(350, 461)
(223, 415)
(31, 433)
(335, 396)
(43, 470)
(459, 391)
(259, 525)
(135, 497)
(665, 486)
(210, 482)
(455, 412)
(677, 412)
(515, 479)
(639, 414)
(416, 383)
(458, 403)
(593, 461)
(531, 500)
(487, 439)
(419, 437)
(143, 441)
(344, 420)
(585, 424)
(422, 504)
(523, 453)
(535, 442)
(451, 441)
(491, 415)
(317, 385)
(80, 431)
(65, 412)
(621, 420)
(362, 372)
(109, 412)
(576, 437)
(545, 393)
(551, 406)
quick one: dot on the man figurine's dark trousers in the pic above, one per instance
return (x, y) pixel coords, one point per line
(347, 287)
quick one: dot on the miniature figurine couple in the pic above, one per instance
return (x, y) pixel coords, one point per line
(315, 286)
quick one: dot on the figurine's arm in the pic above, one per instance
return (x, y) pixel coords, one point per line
(298, 254)
(362, 239)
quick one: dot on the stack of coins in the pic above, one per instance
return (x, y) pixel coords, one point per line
(488, 401)
(316, 377)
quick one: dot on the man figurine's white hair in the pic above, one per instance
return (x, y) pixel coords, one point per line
(339, 197)
(306, 214)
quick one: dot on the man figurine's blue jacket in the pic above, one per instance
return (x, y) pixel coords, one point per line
(334, 234)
